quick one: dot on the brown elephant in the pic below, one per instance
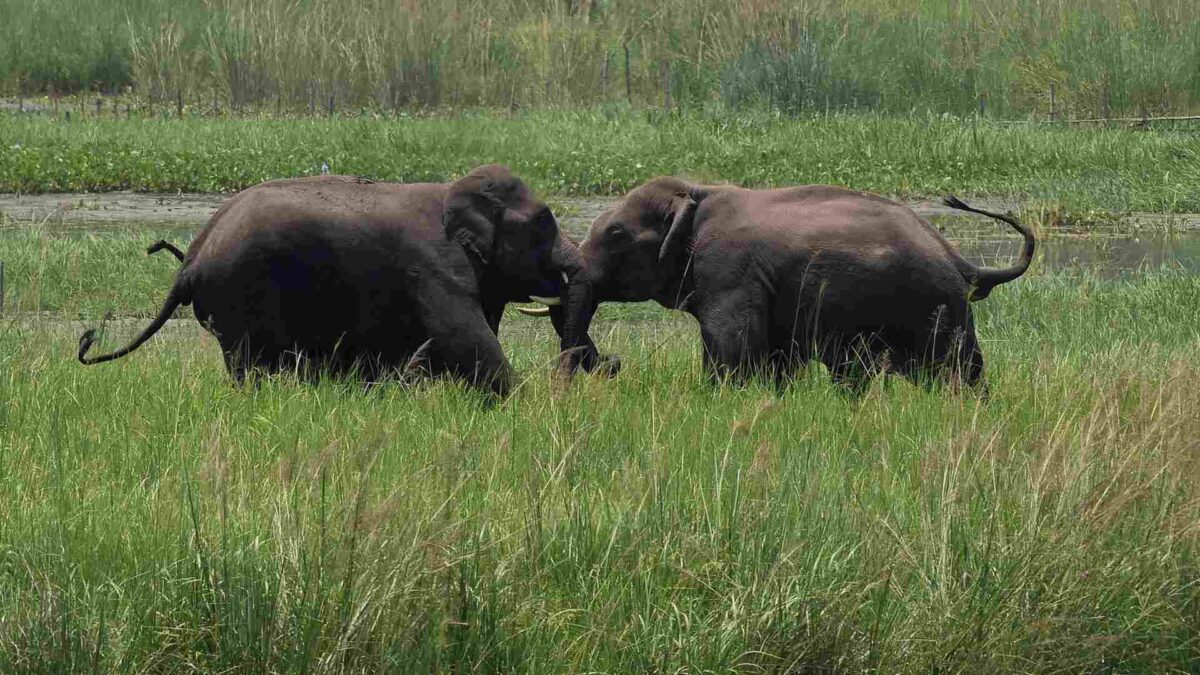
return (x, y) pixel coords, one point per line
(778, 277)
(335, 274)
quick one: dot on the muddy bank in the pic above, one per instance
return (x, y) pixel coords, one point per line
(109, 208)
(189, 210)
(1114, 245)
(131, 208)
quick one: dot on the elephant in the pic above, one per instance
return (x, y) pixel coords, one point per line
(778, 277)
(343, 275)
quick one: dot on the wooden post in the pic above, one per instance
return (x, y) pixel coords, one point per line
(604, 75)
(664, 73)
(628, 80)
(179, 103)
(1104, 110)
(1, 288)
(1053, 106)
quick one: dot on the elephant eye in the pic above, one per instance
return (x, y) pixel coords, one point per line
(546, 225)
(616, 233)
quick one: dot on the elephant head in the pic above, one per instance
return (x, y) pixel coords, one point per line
(638, 250)
(520, 255)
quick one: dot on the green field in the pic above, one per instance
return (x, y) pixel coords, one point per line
(609, 152)
(158, 519)
(1104, 56)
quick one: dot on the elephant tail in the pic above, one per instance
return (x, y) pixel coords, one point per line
(176, 297)
(163, 244)
(984, 279)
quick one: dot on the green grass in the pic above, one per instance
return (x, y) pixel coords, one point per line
(1127, 56)
(85, 274)
(155, 518)
(609, 152)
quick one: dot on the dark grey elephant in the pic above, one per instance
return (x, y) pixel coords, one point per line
(778, 277)
(337, 274)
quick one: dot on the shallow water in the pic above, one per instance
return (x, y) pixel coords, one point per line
(1106, 256)
(982, 241)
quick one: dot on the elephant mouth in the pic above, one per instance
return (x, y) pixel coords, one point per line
(549, 291)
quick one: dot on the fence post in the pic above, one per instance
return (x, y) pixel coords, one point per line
(1053, 107)
(1, 288)
(1105, 108)
(604, 75)
(628, 81)
(664, 73)
(179, 103)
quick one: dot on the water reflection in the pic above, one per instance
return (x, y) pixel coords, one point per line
(979, 240)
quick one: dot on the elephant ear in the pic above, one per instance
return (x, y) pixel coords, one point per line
(680, 232)
(474, 205)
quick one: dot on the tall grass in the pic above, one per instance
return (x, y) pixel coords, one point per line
(1125, 56)
(155, 518)
(611, 152)
(83, 274)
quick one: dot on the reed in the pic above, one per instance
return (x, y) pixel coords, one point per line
(1121, 56)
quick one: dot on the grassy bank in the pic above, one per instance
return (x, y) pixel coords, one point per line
(1124, 56)
(156, 519)
(610, 151)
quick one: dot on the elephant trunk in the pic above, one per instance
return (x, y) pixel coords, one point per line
(573, 316)
(571, 320)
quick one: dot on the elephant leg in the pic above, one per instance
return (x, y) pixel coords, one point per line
(733, 328)
(463, 345)
(949, 351)
(235, 364)
(244, 358)
(965, 365)
(239, 360)
(783, 364)
(494, 313)
(852, 361)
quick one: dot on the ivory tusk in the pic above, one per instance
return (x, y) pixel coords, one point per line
(534, 311)
(566, 279)
(549, 302)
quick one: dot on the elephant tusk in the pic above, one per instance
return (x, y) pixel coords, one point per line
(534, 311)
(566, 279)
(549, 302)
